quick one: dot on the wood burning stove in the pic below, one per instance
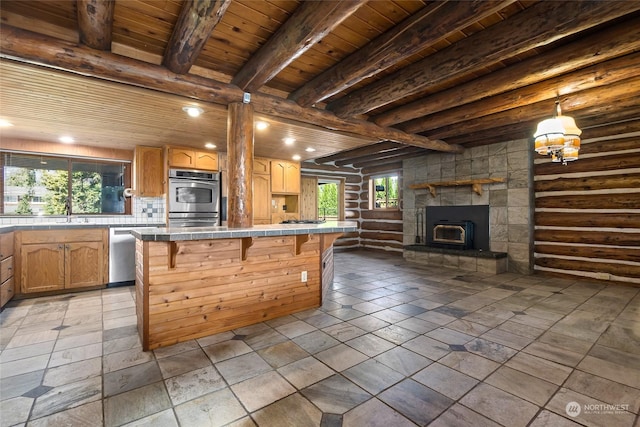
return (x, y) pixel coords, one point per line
(454, 235)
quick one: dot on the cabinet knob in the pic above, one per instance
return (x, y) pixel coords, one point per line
(60, 246)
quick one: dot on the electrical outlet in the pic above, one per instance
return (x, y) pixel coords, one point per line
(303, 276)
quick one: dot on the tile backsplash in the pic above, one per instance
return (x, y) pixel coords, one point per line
(145, 210)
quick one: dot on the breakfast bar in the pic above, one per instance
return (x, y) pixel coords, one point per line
(193, 282)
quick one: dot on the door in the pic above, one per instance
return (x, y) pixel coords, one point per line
(42, 267)
(84, 264)
(309, 198)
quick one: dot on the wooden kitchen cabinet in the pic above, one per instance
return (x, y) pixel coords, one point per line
(7, 288)
(62, 259)
(285, 177)
(261, 166)
(261, 199)
(179, 157)
(148, 171)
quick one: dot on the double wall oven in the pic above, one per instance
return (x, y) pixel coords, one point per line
(194, 198)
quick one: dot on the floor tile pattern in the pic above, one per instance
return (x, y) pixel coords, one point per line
(394, 344)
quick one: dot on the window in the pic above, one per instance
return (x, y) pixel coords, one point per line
(383, 192)
(46, 185)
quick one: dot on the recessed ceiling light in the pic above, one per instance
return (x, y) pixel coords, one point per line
(309, 149)
(210, 145)
(66, 139)
(289, 141)
(5, 123)
(193, 111)
(296, 157)
(260, 125)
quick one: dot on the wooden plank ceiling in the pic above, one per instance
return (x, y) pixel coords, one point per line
(360, 82)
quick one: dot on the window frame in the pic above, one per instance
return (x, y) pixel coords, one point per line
(372, 191)
(70, 160)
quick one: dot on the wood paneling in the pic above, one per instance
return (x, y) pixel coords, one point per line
(308, 197)
(211, 289)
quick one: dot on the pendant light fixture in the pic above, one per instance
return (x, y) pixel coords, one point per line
(558, 137)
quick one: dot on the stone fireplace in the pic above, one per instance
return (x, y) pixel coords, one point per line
(503, 239)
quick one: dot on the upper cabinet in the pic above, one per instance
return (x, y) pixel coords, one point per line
(180, 157)
(285, 177)
(148, 172)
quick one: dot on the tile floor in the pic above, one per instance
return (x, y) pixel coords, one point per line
(395, 344)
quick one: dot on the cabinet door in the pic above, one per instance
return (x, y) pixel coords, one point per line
(179, 157)
(278, 176)
(261, 166)
(149, 173)
(261, 197)
(83, 264)
(42, 267)
(292, 178)
(207, 161)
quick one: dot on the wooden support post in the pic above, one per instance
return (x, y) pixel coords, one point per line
(240, 165)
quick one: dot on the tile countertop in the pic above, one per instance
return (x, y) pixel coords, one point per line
(201, 233)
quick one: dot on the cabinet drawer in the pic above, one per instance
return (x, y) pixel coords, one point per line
(63, 235)
(6, 245)
(6, 269)
(6, 291)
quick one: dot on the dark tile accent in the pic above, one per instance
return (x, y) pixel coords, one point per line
(519, 313)
(239, 337)
(61, 327)
(347, 306)
(331, 420)
(558, 292)
(352, 276)
(457, 347)
(37, 392)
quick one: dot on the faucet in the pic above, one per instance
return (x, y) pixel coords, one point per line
(67, 209)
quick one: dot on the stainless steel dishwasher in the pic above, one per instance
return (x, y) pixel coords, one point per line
(122, 250)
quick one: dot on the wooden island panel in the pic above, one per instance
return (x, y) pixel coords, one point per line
(212, 289)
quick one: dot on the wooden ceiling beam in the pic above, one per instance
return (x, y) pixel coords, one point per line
(308, 24)
(360, 151)
(577, 105)
(429, 25)
(95, 23)
(597, 76)
(29, 47)
(400, 152)
(410, 153)
(538, 25)
(197, 20)
(613, 42)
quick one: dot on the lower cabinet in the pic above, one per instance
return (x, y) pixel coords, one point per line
(6, 268)
(78, 259)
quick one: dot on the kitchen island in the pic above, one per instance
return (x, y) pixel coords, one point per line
(194, 282)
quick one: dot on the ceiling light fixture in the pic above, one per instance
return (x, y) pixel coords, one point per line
(193, 111)
(558, 137)
(260, 125)
(309, 149)
(210, 145)
(66, 139)
(5, 123)
(289, 141)
(296, 157)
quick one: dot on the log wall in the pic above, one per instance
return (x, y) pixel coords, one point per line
(587, 213)
(217, 286)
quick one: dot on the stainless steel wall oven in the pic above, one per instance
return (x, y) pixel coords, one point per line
(194, 198)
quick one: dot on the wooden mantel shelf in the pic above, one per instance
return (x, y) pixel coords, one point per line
(476, 184)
